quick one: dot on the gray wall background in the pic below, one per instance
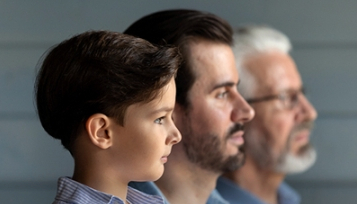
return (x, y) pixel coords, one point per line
(324, 35)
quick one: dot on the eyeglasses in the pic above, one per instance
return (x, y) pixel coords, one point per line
(290, 98)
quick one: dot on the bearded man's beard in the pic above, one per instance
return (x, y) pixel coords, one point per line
(207, 150)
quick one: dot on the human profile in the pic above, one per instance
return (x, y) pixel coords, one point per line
(109, 98)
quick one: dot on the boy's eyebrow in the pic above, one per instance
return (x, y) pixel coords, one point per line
(163, 109)
(224, 84)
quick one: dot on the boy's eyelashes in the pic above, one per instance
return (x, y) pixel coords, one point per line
(159, 120)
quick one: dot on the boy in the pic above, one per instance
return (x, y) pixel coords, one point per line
(109, 98)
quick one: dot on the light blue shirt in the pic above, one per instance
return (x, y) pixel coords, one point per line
(236, 195)
(72, 192)
(152, 189)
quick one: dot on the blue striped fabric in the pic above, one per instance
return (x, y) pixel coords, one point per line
(152, 189)
(72, 192)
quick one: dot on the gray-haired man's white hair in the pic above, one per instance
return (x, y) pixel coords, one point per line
(255, 39)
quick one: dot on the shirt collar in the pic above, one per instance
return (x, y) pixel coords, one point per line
(152, 189)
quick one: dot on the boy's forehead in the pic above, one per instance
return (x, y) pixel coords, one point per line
(164, 97)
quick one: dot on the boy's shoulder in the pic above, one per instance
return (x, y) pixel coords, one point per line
(70, 191)
(148, 187)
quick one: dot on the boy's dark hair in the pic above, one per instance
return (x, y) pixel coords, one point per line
(179, 27)
(99, 72)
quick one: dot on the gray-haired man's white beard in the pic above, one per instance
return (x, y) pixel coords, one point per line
(291, 164)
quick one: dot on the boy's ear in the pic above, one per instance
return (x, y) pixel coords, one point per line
(97, 127)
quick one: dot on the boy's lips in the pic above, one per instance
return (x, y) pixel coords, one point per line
(165, 158)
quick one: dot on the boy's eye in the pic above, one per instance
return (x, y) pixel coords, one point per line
(159, 120)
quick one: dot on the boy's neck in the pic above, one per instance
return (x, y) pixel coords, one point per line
(182, 177)
(98, 178)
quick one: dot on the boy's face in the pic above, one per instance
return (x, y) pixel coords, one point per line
(143, 144)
